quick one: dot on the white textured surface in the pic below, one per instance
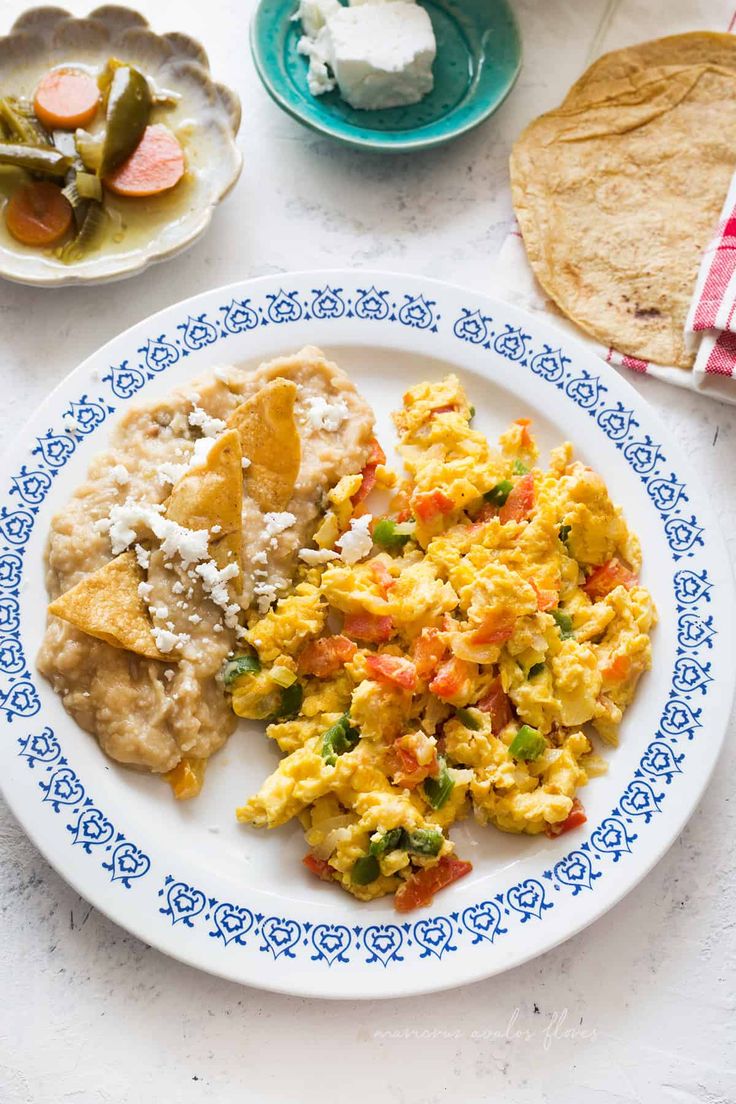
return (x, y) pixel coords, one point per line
(640, 1007)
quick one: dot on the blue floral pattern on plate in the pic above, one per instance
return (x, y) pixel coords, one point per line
(237, 928)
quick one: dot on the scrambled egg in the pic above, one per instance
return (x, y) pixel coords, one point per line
(460, 669)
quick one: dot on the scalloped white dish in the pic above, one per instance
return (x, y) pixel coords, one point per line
(206, 117)
(186, 877)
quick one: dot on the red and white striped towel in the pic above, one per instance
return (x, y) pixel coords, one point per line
(711, 323)
(714, 372)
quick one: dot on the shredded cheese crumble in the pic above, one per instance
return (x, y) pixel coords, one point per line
(211, 427)
(189, 544)
(321, 414)
(357, 542)
(314, 556)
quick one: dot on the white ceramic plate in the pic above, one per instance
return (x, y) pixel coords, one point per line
(186, 878)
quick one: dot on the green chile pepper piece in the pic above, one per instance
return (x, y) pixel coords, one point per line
(365, 870)
(128, 111)
(291, 702)
(87, 238)
(39, 159)
(239, 665)
(18, 118)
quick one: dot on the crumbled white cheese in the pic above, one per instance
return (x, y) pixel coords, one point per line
(266, 593)
(144, 591)
(169, 673)
(166, 640)
(211, 427)
(357, 542)
(189, 544)
(269, 591)
(232, 613)
(260, 558)
(380, 54)
(143, 556)
(177, 587)
(161, 612)
(313, 556)
(215, 581)
(125, 518)
(245, 463)
(313, 14)
(169, 472)
(195, 618)
(321, 414)
(275, 523)
(120, 475)
(319, 77)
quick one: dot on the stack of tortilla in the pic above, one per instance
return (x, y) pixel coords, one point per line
(618, 191)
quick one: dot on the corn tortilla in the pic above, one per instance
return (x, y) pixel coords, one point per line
(693, 48)
(617, 195)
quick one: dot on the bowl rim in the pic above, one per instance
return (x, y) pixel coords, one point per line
(140, 259)
(378, 144)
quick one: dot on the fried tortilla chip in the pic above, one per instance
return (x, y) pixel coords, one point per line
(211, 495)
(270, 440)
(106, 604)
(619, 190)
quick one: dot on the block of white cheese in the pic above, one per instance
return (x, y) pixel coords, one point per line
(380, 53)
(313, 14)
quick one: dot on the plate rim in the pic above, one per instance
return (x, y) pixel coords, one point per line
(104, 900)
(379, 145)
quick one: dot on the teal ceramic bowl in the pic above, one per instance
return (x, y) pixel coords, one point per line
(478, 61)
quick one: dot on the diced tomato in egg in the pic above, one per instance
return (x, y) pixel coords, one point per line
(420, 888)
(369, 627)
(396, 669)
